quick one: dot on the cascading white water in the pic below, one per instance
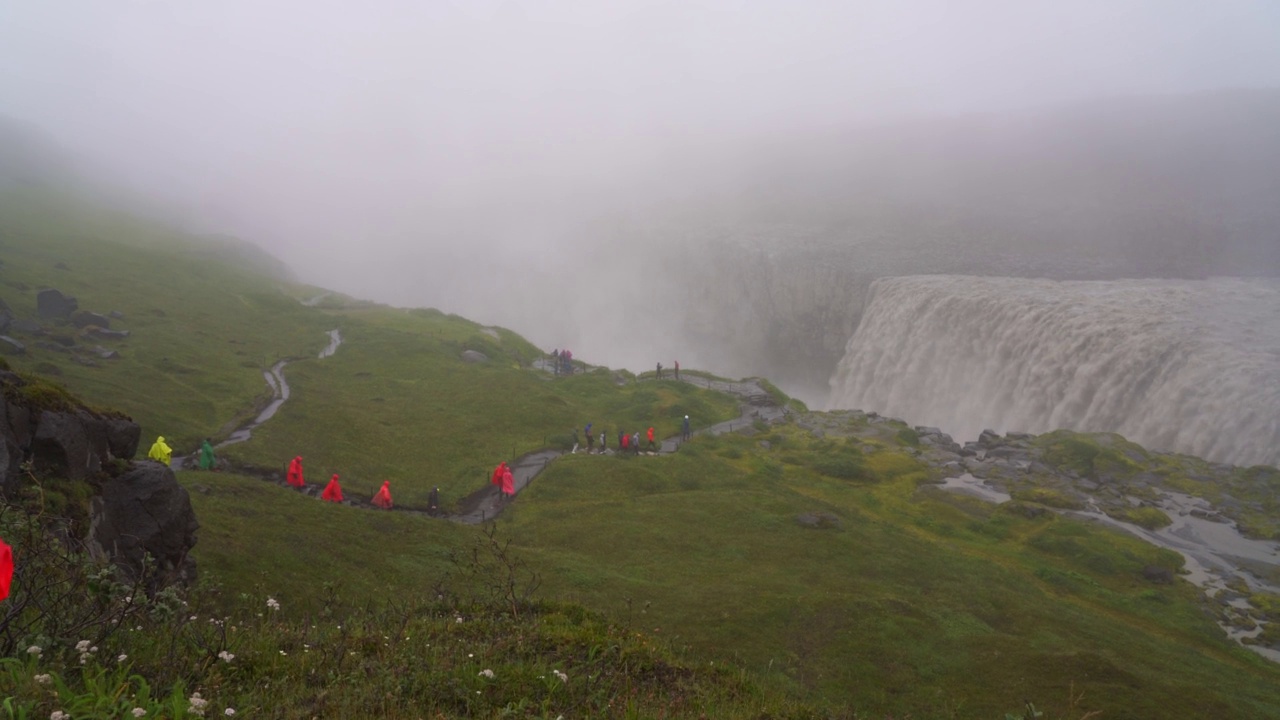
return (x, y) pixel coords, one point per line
(1181, 365)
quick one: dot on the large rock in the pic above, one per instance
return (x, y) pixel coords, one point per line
(145, 512)
(53, 304)
(61, 446)
(9, 346)
(474, 356)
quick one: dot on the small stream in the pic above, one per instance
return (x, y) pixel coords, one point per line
(1215, 552)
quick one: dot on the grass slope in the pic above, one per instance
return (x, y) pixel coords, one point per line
(902, 600)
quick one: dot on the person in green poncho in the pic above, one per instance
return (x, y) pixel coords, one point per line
(160, 452)
(206, 456)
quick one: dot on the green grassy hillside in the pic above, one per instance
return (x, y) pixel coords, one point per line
(827, 567)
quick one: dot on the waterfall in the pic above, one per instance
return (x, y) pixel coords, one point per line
(1176, 365)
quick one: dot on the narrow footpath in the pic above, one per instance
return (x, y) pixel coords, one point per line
(488, 503)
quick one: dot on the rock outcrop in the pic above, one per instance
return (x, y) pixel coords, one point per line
(138, 509)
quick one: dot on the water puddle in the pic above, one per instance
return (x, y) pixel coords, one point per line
(969, 485)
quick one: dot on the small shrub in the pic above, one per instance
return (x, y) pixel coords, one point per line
(907, 436)
(1147, 517)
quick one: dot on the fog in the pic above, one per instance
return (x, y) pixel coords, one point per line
(591, 173)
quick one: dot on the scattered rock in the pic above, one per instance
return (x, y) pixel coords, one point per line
(52, 303)
(474, 356)
(819, 520)
(9, 346)
(766, 445)
(116, 314)
(52, 347)
(84, 318)
(1157, 574)
(98, 333)
(104, 353)
(63, 340)
(988, 438)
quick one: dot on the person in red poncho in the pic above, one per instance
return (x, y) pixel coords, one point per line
(508, 482)
(497, 474)
(332, 491)
(295, 472)
(652, 447)
(383, 498)
(6, 569)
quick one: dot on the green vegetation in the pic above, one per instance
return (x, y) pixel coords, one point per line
(684, 585)
(1091, 455)
(1147, 517)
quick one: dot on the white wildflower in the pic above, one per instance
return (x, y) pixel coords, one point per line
(122, 658)
(229, 712)
(196, 704)
(271, 603)
(226, 656)
(59, 715)
(487, 673)
(35, 650)
(43, 679)
(83, 646)
(138, 712)
(458, 619)
(563, 677)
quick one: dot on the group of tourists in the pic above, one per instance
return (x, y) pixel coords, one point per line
(504, 480)
(677, 370)
(562, 362)
(162, 453)
(632, 443)
(333, 491)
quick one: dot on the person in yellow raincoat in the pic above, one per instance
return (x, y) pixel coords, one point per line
(160, 452)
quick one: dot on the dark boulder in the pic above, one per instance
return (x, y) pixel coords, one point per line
(9, 346)
(820, 520)
(52, 303)
(63, 340)
(145, 512)
(84, 318)
(1157, 574)
(988, 438)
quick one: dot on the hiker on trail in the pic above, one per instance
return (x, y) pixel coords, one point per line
(508, 484)
(575, 441)
(659, 371)
(294, 476)
(433, 502)
(497, 474)
(677, 369)
(206, 461)
(652, 447)
(635, 442)
(160, 452)
(604, 441)
(383, 497)
(591, 441)
(568, 362)
(684, 431)
(332, 491)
